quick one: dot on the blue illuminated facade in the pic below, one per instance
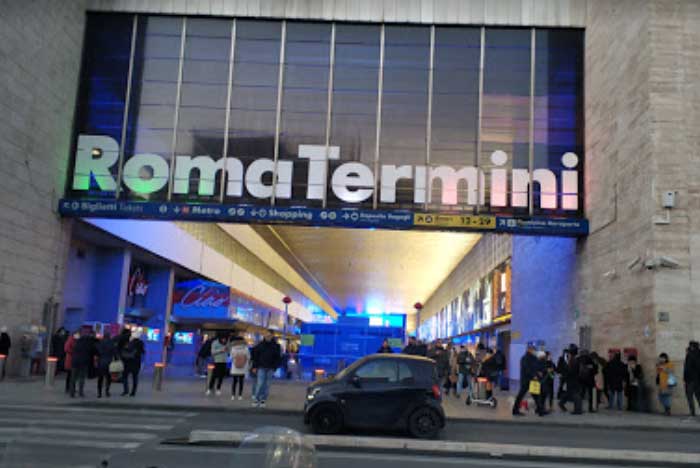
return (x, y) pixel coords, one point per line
(221, 87)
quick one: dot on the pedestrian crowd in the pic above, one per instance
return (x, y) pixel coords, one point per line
(582, 376)
(84, 355)
(587, 377)
(261, 362)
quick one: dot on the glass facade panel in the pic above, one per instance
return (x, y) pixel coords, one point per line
(506, 105)
(405, 104)
(304, 99)
(254, 97)
(354, 107)
(102, 94)
(152, 109)
(202, 115)
(455, 103)
(559, 123)
(205, 68)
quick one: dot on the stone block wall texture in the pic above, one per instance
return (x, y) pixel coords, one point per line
(642, 139)
(40, 51)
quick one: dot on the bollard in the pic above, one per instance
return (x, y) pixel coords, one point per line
(210, 375)
(3, 359)
(319, 374)
(158, 376)
(51, 364)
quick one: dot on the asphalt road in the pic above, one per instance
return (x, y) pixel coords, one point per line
(40, 436)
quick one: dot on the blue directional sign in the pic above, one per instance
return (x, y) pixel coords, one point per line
(349, 218)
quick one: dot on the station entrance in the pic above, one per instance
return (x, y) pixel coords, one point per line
(359, 172)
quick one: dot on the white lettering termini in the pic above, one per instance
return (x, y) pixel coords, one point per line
(350, 182)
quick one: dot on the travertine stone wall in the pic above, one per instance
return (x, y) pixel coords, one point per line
(40, 50)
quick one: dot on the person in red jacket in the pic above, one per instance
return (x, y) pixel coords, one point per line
(68, 363)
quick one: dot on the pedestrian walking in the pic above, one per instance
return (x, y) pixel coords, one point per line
(68, 364)
(529, 367)
(691, 375)
(490, 369)
(635, 382)
(561, 368)
(385, 348)
(106, 352)
(132, 355)
(37, 353)
(5, 345)
(219, 352)
(83, 353)
(26, 345)
(665, 381)
(465, 361)
(548, 383)
(570, 372)
(616, 376)
(240, 363)
(266, 360)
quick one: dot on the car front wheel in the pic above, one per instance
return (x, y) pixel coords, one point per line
(424, 423)
(326, 419)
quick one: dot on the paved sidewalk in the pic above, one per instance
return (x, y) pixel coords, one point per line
(288, 397)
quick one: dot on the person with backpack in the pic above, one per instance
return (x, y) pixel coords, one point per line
(132, 355)
(219, 351)
(665, 381)
(240, 363)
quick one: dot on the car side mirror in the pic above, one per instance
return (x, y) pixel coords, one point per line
(355, 380)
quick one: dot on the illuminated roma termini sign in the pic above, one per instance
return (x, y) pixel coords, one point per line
(350, 182)
(329, 124)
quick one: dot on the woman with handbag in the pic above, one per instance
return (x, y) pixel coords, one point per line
(106, 352)
(665, 381)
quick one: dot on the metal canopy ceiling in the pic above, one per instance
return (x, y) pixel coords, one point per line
(367, 270)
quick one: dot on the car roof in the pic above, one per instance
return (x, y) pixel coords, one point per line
(401, 357)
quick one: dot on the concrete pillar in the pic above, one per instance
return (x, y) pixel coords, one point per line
(158, 299)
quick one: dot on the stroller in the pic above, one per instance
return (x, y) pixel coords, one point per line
(479, 391)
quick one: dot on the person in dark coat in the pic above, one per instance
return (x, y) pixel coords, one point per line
(562, 364)
(5, 345)
(132, 355)
(58, 343)
(616, 376)
(548, 382)
(106, 351)
(635, 384)
(530, 369)
(570, 372)
(267, 356)
(691, 375)
(587, 373)
(412, 347)
(385, 348)
(83, 353)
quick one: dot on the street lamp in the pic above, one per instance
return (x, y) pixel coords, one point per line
(287, 300)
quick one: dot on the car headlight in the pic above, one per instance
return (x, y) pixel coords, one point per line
(313, 392)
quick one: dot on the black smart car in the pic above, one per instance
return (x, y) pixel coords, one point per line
(382, 391)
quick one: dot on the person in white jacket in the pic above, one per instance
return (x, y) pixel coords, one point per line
(240, 364)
